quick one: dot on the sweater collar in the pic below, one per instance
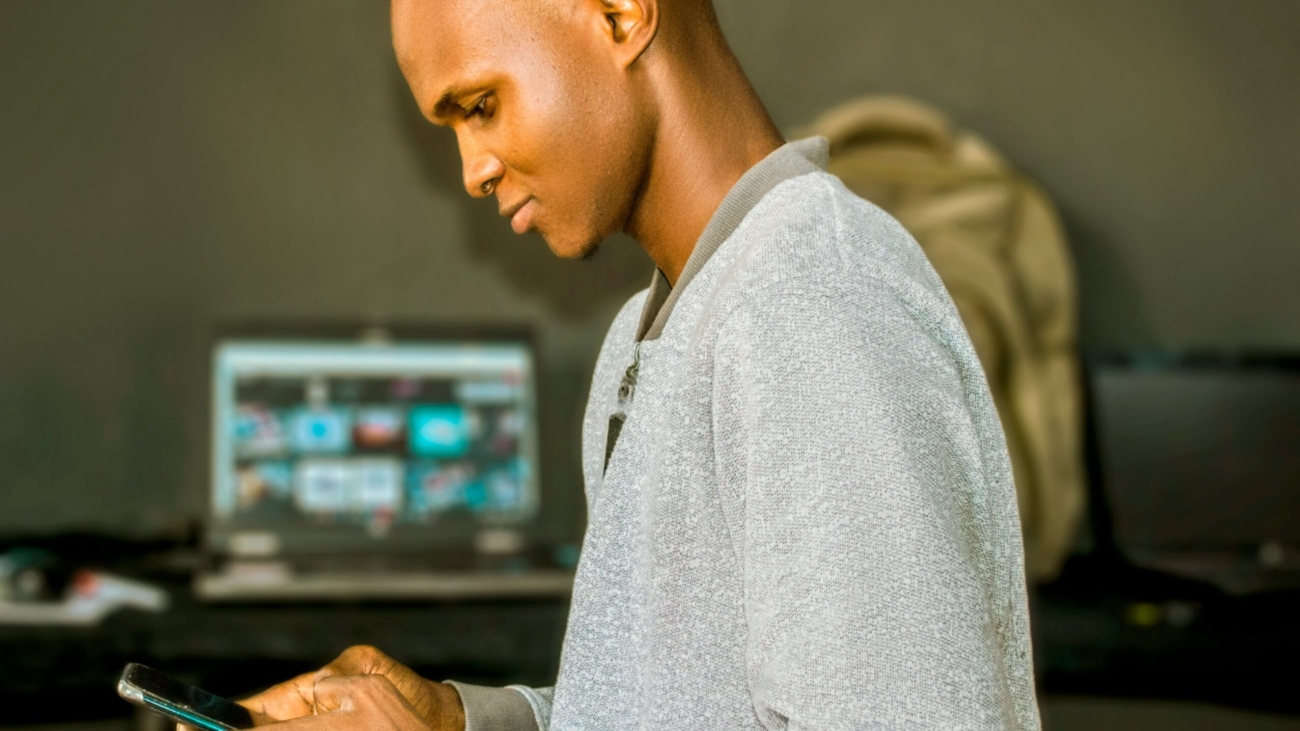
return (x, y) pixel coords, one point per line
(789, 161)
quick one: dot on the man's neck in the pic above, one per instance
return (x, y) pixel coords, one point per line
(713, 128)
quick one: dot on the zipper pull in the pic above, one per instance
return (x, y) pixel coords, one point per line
(627, 389)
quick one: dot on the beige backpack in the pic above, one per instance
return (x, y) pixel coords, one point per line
(997, 243)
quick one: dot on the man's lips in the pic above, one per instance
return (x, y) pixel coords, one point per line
(520, 215)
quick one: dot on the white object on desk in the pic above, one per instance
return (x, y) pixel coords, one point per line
(91, 597)
(272, 586)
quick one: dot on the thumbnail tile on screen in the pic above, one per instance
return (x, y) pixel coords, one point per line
(439, 431)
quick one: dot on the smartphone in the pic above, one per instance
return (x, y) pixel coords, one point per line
(181, 703)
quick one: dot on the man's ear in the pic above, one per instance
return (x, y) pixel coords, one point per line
(630, 25)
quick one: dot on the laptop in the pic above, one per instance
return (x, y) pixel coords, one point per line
(1199, 462)
(376, 468)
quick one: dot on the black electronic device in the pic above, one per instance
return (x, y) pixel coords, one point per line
(391, 447)
(179, 702)
(377, 464)
(1199, 464)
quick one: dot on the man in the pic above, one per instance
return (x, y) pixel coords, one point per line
(801, 512)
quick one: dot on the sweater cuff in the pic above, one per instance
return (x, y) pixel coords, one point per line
(494, 709)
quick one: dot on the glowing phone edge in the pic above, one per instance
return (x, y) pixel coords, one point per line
(133, 693)
(180, 714)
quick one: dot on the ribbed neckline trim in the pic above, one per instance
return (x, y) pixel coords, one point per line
(788, 161)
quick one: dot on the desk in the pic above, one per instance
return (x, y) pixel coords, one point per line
(63, 674)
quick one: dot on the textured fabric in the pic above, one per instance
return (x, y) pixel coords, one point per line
(997, 243)
(809, 520)
(790, 160)
(494, 709)
(541, 701)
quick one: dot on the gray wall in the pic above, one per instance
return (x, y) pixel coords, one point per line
(1168, 131)
(168, 167)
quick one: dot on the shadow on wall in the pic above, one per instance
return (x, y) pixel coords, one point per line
(570, 289)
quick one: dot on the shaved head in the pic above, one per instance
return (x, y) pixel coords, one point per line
(547, 117)
(573, 113)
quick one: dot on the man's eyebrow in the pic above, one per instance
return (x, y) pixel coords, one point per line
(447, 103)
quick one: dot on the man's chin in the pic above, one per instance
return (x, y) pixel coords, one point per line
(573, 249)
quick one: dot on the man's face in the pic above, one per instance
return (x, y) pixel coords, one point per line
(545, 117)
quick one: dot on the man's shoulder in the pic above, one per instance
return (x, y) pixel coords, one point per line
(813, 222)
(820, 204)
(813, 237)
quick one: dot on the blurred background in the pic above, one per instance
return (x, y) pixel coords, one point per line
(177, 175)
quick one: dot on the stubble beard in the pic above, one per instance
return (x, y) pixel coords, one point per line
(589, 251)
(585, 252)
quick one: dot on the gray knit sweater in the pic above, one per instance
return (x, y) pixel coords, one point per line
(807, 520)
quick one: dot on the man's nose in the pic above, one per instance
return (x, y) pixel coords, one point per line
(482, 170)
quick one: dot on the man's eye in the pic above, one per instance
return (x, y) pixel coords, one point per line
(480, 109)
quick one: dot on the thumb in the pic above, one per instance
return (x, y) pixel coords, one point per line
(290, 699)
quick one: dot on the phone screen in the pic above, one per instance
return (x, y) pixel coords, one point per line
(180, 702)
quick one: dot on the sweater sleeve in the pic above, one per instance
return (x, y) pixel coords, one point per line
(513, 708)
(846, 444)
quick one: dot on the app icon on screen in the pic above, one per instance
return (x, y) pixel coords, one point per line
(322, 485)
(379, 428)
(322, 431)
(476, 495)
(263, 480)
(503, 437)
(487, 392)
(439, 431)
(504, 490)
(259, 431)
(379, 485)
(348, 485)
(436, 487)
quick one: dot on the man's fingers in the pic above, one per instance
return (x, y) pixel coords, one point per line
(299, 697)
(290, 699)
(346, 692)
(327, 722)
(356, 703)
(358, 660)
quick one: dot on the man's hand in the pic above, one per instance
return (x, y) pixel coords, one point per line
(358, 703)
(437, 705)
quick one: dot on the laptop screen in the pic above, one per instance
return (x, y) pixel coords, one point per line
(328, 446)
